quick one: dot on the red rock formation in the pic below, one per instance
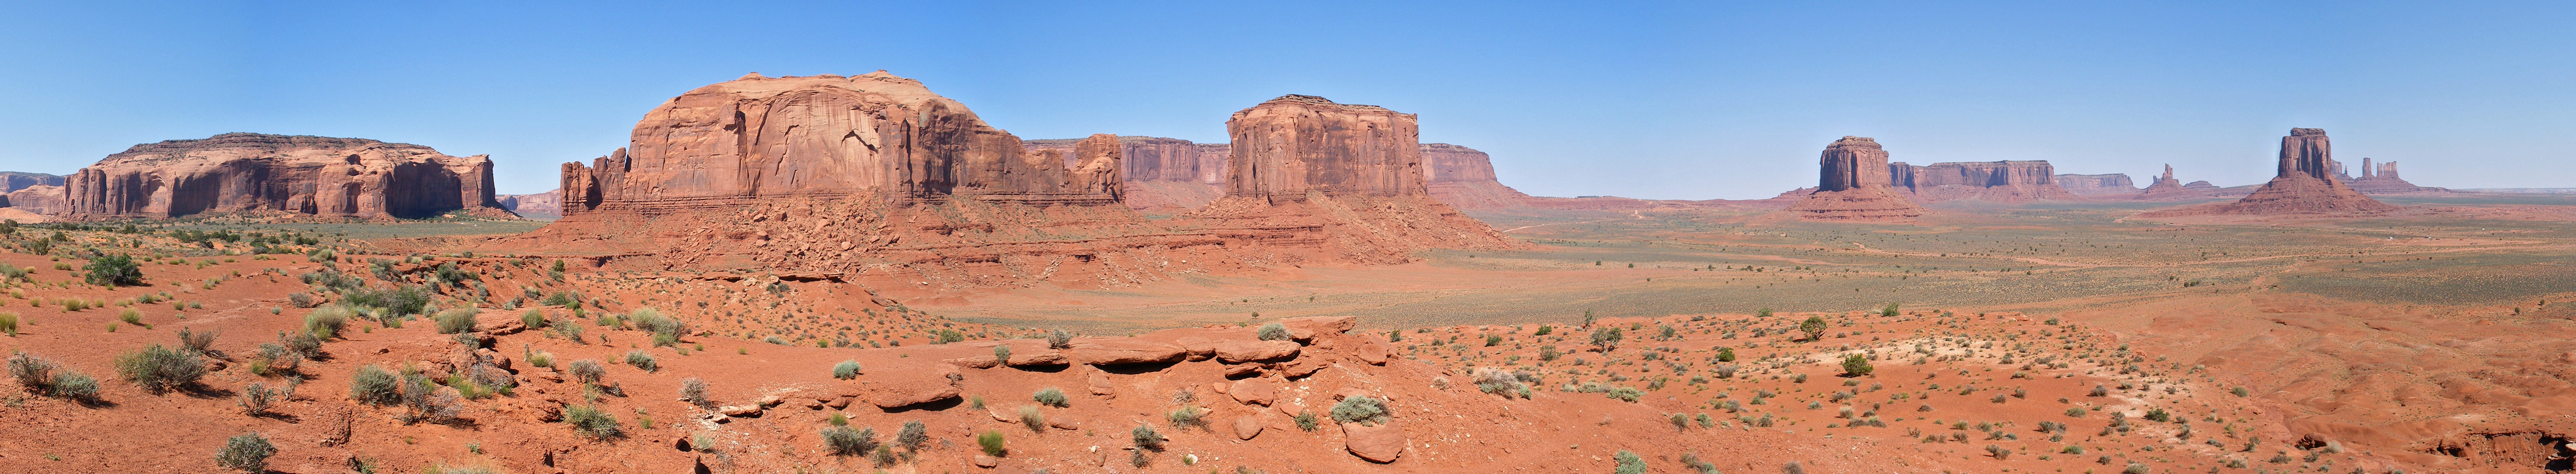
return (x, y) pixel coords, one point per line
(294, 175)
(737, 142)
(12, 181)
(1464, 178)
(547, 204)
(1162, 174)
(1343, 179)
(40, 199)
(1853, 186)
(2381, 178)
(1998, 181)
(2097, 184)
(2303, 185)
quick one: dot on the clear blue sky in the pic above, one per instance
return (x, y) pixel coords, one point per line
(1646, 100)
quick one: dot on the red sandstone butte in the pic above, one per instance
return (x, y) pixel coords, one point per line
(1161, 174)
(280, 174)
(1994, 181)
(2381, 178)
(1344, 178)
(2303, 185)
(1853, 186)
(2114, 184)
(1464, 178)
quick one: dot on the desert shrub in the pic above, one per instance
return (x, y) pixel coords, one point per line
(2000, 453)
(694, 391)
(1273, 332)
(160, 369)
(1889, 310)
(1726, 371)
(1726, 354)
(374, 386)
(2135, 468)
(1549, 353)
(948, 336)
(642, 360)
(1629, 463)
(9, 321)
(913, 436)
(1692, 461)
(326, 322)
(74, 385)
(843, 441)
(456, 321)
(1187, 416)
(1001, 354)
(666, 330)
(1052, 396)
(991, 442)
(130, 316)
(1814, 326)
(406, 300)
(1146, 437)
(1543, 330)
(1306, 421)
(533, 319)
(198, 342)
(2099, 390)
(117, 270)
(34, 372)
(846, 370)
(423, 401)
(256, 399)
(541, 359)
(1030, 416)
(592, 422)
(1364, 410)
(587, 371)
(2077, 412)
(2159, 415)
(1498, 381)
(1059, 339)
(247, 452)
(1856, 365)
(1606, 339)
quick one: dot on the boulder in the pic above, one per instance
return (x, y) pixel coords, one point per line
(1248, 426)
(1314, 326)
(1241, 351)
(1036, 357)
(1125, 351)
(1199, 348)
(1378, 444)
(1375, 353)
(1100, 385)
(740, 411)
(917, 394)
(1253, 392)
(985, 361)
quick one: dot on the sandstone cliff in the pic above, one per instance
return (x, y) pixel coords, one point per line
(279, 174)
(1997, 181)
(1161, 174)
(2303, 184)
(12, 181)
(41, 199)
(547, 204)
(1853, 186)
(2097, 184)
(1464, 178)
(1345, 180)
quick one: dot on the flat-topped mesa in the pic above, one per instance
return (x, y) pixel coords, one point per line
(12, 181)
(734, 143)
(287, 175)
(1288, 147)
(1997, 181)
(2097, 184)
(1346, 181)
(1853, 185)
(2304, 184)
(1464, 178)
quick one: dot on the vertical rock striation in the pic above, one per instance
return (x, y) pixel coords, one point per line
(1853, 185)
(247, 173)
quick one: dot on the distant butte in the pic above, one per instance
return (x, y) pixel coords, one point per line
(2303, 184)
(1993, 181)
(1344, 179)
(288, 176)
(1853, 187)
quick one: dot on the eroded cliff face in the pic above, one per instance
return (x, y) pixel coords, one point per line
(1853, 185)
(12, 181)
(1995, 181)
(2304, 184)
(1294, 145)
(876, 135)
(2113, 184)
(40, 199)
(1160, 174)
(251, 173)
(1464, 178)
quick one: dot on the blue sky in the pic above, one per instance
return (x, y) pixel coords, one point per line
(1678, 100)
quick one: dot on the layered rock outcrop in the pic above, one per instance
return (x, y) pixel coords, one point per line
(547, 204)
(250, 173)
(2303, 184)
(1996, 181)
(2114, 184)
(1464, 178)
(1161, 174)
(2381, 178)
(12, 181)
(1853, 186)
(1344, 179)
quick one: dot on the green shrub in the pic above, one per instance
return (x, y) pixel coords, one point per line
(75, 385)
(1187, 416)
(456, 321)
(248, 452)
(533, 319)
(1030, 416)
(1360, 409)
(1889, 310)
(1059, 339)
(1543, 330)
(1856, 365)
(1606, 339)
(843, 441)
(130, 316)
(160, 369)
(642, 360)
(116, 270)
(846, 370)
(1629, 463)
(2077, 412)
(406, 300)
(198, 342)
(1053, 397)
(256, 399)
(374, 386)
(1147, 438)
(1726, 354)
(587, 371)
(991, 442)
(1306, 421)
(327, 322)
(913, 436)
(1814, 326)
(9, 321)
(1274, 332)
(694, 391)
(33, 372)
(591, 422)
(541, 359)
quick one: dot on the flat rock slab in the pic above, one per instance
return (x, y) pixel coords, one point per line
(1379, 444)
(1236, 352)
(1127, 351)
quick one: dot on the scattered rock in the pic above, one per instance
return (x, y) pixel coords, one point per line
(739, 411)
(1101, 386)
(987, 462)
(1378, 444)
(1254, 392)
(1248, 426)
(1036, 357)
(915, 395)
(1375, 353)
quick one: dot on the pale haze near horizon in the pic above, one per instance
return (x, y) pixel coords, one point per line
(1665, 101)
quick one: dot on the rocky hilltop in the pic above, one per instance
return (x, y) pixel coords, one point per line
(1996, 181)
(2303, 184)
(1343, 179)
(2113, 184)
(2381, 178)
(1853, 186)
(249, 173)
